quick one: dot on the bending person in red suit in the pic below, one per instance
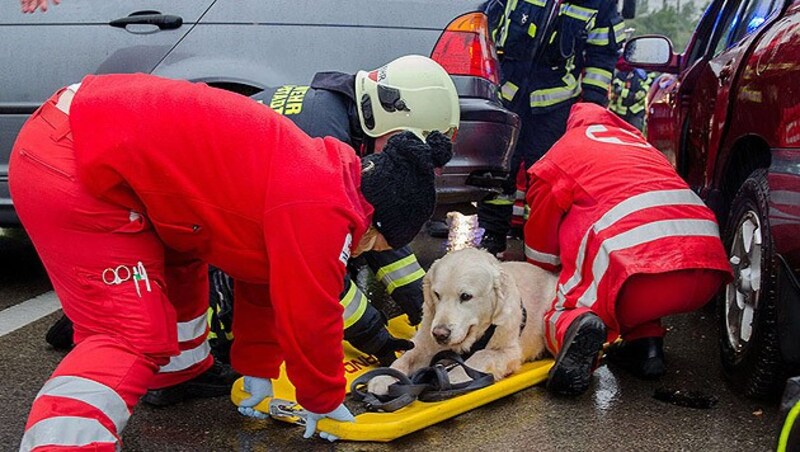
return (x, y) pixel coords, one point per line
(128, 185)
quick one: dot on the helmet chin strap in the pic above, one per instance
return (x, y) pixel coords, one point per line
(367, 145)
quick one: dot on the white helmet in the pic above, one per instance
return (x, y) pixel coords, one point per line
(410, 93)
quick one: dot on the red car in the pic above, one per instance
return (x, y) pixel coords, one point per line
(727, 114)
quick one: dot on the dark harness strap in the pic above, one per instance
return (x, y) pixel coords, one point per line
(481, 343)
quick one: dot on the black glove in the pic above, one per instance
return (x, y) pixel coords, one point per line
(387, 354)
(370, 335)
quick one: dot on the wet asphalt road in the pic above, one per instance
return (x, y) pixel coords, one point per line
(618, 413)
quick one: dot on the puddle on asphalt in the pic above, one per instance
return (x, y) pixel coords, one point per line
(606, 393)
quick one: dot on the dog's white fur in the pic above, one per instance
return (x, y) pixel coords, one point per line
(493, 291)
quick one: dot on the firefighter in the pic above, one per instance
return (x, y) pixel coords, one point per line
(335, 105)
(632, 243)
(546, 67)
(128, 184)
(328, 107)
(629, 90)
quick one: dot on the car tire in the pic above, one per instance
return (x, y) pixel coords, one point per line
(746, 307)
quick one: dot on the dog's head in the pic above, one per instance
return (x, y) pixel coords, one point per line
(463, 296)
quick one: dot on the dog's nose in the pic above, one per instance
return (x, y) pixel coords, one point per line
(441, 334)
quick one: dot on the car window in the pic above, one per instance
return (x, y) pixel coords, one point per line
(703, 33)
(754, 17)
(726, 27)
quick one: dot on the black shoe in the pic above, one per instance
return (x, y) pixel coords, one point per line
(437, 229)
(60, 334)
(494, 243)
(642, 357)
(214, 382)
(572, 372)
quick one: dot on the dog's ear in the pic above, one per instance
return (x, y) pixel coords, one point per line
(427, 294)
(503, 288)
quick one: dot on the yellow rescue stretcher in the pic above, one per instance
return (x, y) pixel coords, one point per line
(384, 427)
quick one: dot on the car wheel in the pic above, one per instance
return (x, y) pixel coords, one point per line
(747, 306)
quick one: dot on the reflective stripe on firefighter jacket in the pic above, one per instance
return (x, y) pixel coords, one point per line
(578, 58)
(606, 205)
(629, 92)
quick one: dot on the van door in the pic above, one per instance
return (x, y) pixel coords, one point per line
(42, 52)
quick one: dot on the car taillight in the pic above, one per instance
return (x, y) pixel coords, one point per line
(465, 48)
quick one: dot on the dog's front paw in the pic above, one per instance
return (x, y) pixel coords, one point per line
(380, 384)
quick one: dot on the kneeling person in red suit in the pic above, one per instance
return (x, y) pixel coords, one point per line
(632, 242)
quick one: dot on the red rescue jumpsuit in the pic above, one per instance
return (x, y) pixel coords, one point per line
(632, 241)
(130, 195)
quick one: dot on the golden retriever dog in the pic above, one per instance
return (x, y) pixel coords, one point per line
(466, 292)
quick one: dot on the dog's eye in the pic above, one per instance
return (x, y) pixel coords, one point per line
(436, 295)
(466, 297)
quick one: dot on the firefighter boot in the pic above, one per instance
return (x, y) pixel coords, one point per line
(583, 342)
(495, 244)
(214, 382)
(643, 357)
(437, 229)
(60, 334)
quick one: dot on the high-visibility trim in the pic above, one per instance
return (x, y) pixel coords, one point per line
(598, 36)
(786, 431)
(640, 235)
(66, 431)
(619, 109)
(405, 280)
(401, 272)
(508, 91)
(354, 303)
(578, 12)
(518, 211)
(552, 334)
(595, 76)
(500, 201)
(637, 108)
(209, 319)
(618, 28)
(552, 96)
(660, 198)
(91, 393)
(519, 194)
(193, 329)
(510, 6)
(532, 30)
(543, 258)
(535, 2)
(187, 358)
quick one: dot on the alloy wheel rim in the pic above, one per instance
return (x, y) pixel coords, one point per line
(742, 294)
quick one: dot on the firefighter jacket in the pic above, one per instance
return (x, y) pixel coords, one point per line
(629, 92)
(327, 108)
(606, 205)
(577, 58)
(209, 170)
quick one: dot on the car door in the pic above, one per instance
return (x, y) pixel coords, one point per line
(44, 51)
(670, 93)
(708, 111)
